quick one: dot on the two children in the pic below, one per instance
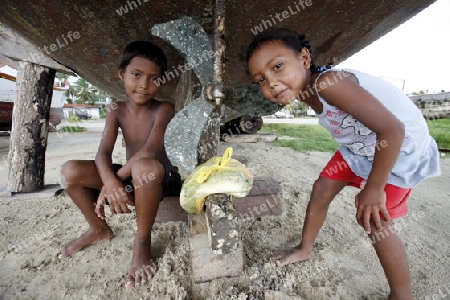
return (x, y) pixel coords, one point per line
(385, 147)
(385, 150)
(148, 174)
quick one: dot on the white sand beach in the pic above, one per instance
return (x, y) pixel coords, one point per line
(343, 265)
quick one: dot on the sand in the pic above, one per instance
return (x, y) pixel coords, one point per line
(343, 265)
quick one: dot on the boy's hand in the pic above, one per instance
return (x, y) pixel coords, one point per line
(100, 205)
(120, 199)
(370, 203)
(117, 198)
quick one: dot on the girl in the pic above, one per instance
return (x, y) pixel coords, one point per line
(385, 147)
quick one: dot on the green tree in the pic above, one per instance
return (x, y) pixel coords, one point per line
(63, 78)
(70, 94)
(84, 92)
(422, 92)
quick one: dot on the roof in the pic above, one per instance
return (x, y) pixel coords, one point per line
(7, 76)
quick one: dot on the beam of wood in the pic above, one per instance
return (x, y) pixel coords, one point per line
(171, 210)
(264, 186)
(244, 124)
(223, 227)
(209, 138)
(206, 265)
(258, 206)
(264, 199)
(30, 127)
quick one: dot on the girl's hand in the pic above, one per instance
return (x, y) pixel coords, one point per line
(370, 203)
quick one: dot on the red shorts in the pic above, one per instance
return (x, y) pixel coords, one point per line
(338, 169)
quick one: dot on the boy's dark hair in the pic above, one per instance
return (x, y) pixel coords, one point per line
(144, 49)
(287, 37)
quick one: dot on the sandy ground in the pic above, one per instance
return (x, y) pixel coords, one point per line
(343, 266)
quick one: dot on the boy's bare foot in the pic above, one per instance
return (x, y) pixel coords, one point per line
(289, 256)
(90, 237)
(142, 267)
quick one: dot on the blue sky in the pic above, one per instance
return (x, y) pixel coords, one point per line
(417, 52)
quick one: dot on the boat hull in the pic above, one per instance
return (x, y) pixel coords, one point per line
(6, 110)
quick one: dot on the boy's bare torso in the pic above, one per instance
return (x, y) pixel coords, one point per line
(137, 127)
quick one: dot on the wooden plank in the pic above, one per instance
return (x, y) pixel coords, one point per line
(249, 138)
(206, 265)
(244, 124)
(197, 224)
(258, 206)
(264, 186)
(171, 210)
(221, 220)
(264, 199)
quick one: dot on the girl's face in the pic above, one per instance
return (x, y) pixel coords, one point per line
(140, 78)
(280, 72)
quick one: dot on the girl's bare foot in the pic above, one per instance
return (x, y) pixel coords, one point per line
(88, 238)
(289, 256)
(142, 267)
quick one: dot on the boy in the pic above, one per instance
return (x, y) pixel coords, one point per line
(143, 121)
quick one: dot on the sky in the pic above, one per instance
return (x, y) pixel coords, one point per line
(417, 53)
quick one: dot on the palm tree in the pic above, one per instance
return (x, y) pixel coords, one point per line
(70, 94)
(84, 92)
(63, 78)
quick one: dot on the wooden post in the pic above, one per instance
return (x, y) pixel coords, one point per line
(209, 141)
(243, 124)
(216, 247)
(222, 223)
(29, 132)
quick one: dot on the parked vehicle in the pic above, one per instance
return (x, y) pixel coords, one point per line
(6, 109)
(310, 112)
(284, 113)
(8, 91)
(300, 113)
(82, 114)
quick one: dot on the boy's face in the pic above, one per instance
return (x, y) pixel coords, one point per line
(140, 79)
(280, 72)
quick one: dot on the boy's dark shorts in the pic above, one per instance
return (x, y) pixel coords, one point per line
(171, 183)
